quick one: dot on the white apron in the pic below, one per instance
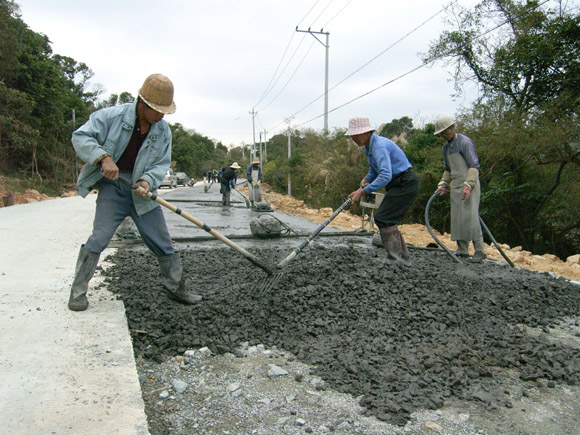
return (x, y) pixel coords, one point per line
(464, 214)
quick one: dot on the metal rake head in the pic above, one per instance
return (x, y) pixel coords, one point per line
(270, 283)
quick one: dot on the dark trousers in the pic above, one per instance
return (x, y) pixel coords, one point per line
(400, 194)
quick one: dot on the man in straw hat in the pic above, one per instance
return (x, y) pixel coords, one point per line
(389, 168)
(132, 141)
(254, 177)
(228, 180)
(461, 177)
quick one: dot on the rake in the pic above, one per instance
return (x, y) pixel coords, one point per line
(275, 278)
(251, 257)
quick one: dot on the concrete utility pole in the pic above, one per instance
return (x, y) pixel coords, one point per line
(253, 113)
(265, 146)
(327, 46)
(260, 149)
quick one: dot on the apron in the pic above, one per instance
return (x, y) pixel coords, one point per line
(464, 214)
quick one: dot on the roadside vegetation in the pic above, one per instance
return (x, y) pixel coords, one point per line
(523, 55)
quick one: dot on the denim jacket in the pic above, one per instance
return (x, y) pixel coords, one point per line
(108, 131)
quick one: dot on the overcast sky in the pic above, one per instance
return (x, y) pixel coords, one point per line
(222, 55)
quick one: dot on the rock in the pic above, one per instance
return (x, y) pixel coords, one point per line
(516, 249)
(551, 257)
(233, 387)
(433, 426)
(179, 386)
(276, 371)
(300, 422)
(573, 259)
(204, 351)
(164, 394)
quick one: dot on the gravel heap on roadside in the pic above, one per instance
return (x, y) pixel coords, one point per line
(399, 339)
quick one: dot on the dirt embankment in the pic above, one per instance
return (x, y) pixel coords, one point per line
(418, 235)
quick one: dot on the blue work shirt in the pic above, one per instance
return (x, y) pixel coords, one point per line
(108, 131)
(463, 145)
(386, 161)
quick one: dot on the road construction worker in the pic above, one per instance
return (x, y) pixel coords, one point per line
(389, 168)
(254, 177)
(461, 178)
(228, 181)
(132, 141)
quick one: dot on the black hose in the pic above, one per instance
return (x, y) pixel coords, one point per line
(495, 243)
(428, 225)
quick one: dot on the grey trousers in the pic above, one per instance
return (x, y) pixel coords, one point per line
(114, 204)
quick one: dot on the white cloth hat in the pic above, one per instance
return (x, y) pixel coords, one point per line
(358, 125)
(443, 123)
(235, 165)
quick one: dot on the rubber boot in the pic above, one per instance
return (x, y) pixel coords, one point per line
(84, 271)
(392, 239)
(479, 254)
(174, 281)
(462, 248)
(404, 250)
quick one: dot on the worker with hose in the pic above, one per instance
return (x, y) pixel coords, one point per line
(389, 168)
(132, 141)
(461, 178)
(228, 181)
(254, 177)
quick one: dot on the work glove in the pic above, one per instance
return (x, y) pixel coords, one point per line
(364, 182)
(465, 194)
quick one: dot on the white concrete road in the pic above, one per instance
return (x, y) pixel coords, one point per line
(61, 372)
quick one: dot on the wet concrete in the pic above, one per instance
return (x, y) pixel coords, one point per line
(403, 338)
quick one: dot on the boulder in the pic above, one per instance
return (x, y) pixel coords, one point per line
(573, 259)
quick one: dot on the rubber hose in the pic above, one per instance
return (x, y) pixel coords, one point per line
(428, 225)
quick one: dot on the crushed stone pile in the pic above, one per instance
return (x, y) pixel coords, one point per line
(402, 337)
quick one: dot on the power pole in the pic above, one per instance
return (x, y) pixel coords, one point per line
(265, 146)
(253, 113)
(327, 46)
(260, 149)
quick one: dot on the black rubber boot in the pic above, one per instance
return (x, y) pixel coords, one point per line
(174, 281)
(84, 271)
(394, 244)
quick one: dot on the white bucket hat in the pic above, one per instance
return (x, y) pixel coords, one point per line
(443, 123)
(358, 125)
(235, 165)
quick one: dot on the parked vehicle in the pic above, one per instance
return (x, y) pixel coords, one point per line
(182, 179)
(170, 180)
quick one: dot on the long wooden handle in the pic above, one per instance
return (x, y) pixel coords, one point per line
(255, 260)
(297, 250)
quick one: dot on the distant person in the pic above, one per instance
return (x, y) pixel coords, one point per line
(254, 177)
(461, 177)
(388, 168)
(132, 141)
(228, 181)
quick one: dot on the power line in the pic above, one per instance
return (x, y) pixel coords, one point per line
(371, 60)
(433, 60)
(270, 84)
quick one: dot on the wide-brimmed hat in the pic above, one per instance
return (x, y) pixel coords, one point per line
(256, 161)
(358, 125)
(157, 93)
(235, 165)
(443, 123)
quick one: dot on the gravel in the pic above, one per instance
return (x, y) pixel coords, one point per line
(348, 344)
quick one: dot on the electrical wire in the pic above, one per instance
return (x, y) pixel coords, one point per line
(270, 84)
(431, 61)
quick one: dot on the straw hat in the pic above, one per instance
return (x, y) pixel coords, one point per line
(256, 161)
(157, 92)
(358, 125)
(442, 123)
(235, 165)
